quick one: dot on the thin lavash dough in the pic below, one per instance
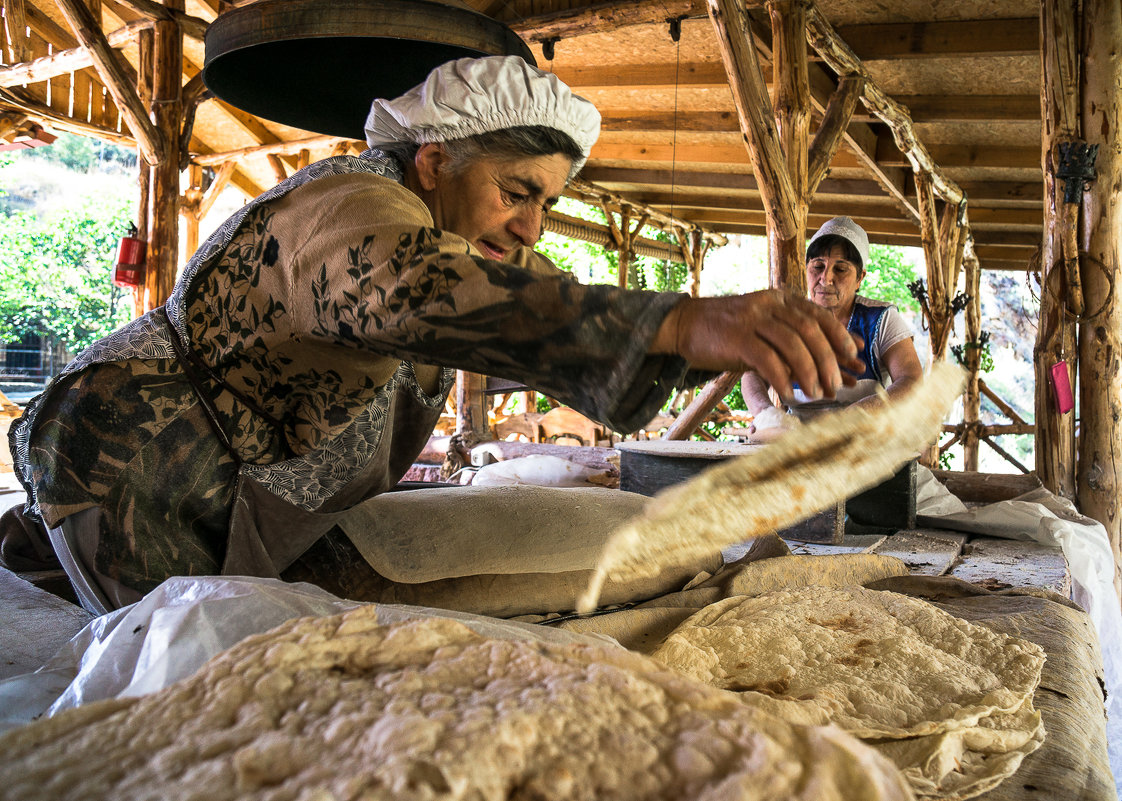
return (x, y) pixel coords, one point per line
(878, 664)
(801, 473)
(968, 745)
(338, 707)
(962, 763)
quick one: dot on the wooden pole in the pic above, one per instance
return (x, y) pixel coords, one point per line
(189, 208)
(972, 403)
(792, 121)
(1055, 340)
(167, 116)
(1098, 485)
(144, 92)
(757, 120)
(471, 409)
(112, 69)
(709, 396)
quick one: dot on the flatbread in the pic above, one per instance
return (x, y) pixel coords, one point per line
(803, 472)
(948, 701)
(962, 763)
(345, 708)
(878, 664)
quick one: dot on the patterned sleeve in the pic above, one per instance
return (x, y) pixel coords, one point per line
(368, 270)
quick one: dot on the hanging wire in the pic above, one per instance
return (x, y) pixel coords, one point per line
(676, 35)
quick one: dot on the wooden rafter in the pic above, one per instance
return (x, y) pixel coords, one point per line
(604, 17)
(116, 78)
(992, 37)
(65, 61)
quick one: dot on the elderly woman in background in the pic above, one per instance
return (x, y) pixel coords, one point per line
(307, 350)
(836, 260)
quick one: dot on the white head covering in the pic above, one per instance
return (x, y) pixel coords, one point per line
(478, 95)
(847, 229)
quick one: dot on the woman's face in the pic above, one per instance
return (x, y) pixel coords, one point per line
(497, 204)
(832, 281)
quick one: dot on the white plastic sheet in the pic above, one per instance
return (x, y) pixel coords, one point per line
(172, 631)
(1040, 516)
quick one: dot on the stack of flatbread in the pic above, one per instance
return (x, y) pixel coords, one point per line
(345, 708)
(949, 702)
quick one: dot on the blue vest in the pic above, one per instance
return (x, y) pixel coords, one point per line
(866, 322)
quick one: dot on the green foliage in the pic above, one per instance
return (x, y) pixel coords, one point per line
(84, 154)
(55, 274)
(888, 276)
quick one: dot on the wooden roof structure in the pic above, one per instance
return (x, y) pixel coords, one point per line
(956, 127)
(959, 81)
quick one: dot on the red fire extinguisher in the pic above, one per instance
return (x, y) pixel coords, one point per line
(131, 257)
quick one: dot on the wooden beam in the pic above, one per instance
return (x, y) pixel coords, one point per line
(960, 156)
(191, 26)
(787, 254)
(15, 25)
(701, 75)
(606, 150)
(835, 121)
(1055, 444)
(288, 148)
(603, 18)
(707, 399)
(167, 114)
(67, 61)
(988, 37)
(110, 68)
(971, 108)
(682, 177)
(595, 195)
(1098, 469)
(753, 107)
(844, 61)
(972, 401)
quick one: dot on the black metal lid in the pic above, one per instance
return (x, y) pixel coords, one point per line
(318, 64)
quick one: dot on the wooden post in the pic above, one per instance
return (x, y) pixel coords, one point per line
(1055, 339)
(189, 208)
(971, 406)
(757, 122)
(693, 246)
(471, 409)
(167, 116)
(1098, 484)
(792, 121)
(709, 396)
(144, 92)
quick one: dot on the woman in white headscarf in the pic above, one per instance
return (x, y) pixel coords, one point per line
(308, 347)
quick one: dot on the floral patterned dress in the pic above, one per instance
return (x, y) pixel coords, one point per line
(299, 368)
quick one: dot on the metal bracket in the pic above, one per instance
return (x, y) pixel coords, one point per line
(1076, 168)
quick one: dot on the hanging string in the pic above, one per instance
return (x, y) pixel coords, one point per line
(676, 35)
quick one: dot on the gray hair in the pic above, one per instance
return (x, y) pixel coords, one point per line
(517, 142)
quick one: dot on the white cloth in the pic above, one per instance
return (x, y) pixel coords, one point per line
(172, 631)
(477, 95)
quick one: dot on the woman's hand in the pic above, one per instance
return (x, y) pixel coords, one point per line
(783, 338)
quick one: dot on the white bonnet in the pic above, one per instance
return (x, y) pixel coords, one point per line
(847, 229)
(478, 95)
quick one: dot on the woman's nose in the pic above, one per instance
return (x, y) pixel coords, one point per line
(526, 225)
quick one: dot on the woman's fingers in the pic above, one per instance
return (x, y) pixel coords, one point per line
(785, 339)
